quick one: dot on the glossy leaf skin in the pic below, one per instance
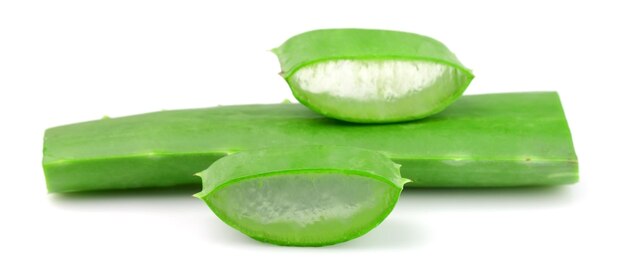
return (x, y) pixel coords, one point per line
(492, 140)
(303, 195)
(321, 46)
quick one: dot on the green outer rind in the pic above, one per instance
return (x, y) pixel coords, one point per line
(301, 97)
(494, 140)
(362, 44)
(300, 160)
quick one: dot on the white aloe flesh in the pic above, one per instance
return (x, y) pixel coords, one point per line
(378, 91)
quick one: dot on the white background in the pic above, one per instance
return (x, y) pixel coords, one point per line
(69, 61)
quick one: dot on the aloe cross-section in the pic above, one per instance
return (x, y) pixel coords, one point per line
(303, 195)
(513, 139)
(372, 76)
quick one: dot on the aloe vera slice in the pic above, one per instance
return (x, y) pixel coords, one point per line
(372, 76)
(514, 139)
(303, 195)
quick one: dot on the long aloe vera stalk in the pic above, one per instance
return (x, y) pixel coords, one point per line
(515, 139)
(302, 195)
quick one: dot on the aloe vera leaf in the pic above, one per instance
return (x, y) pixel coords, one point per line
(513, 139)
(372, 76)
(303, 195)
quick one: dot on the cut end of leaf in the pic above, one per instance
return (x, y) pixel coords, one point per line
(303, 196)
(372, 76)
(311, 209)
(378, 91)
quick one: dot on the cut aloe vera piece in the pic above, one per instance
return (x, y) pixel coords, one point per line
(304, 195)
(515, 139)
(372, 76)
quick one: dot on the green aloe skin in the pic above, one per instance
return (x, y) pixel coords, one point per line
(381, 76)
(304, 195)
(493, 140)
